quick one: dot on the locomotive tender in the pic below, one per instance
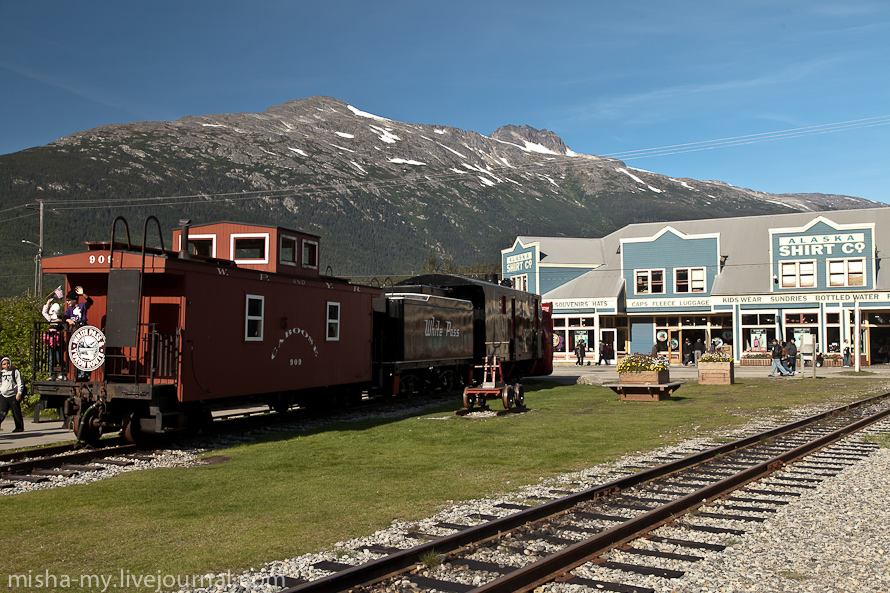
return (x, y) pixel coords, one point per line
(237, 313)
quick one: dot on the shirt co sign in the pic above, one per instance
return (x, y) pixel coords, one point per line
(86, 350)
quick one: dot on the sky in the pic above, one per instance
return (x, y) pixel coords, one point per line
(777, 96)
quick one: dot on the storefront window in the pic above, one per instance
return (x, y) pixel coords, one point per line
(758, 339)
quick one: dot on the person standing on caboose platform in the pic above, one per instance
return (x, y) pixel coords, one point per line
(53, 336)
(11, 389)
(76, 312)
(76, 317)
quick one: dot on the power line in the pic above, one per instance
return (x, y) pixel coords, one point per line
(752, 138)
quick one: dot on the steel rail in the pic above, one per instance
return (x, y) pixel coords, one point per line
(22, 467)
(556, 565)
(402, 560)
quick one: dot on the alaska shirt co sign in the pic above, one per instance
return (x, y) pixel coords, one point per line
(839, 244)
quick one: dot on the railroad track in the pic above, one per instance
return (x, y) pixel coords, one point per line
(577, 537)
(64, 461)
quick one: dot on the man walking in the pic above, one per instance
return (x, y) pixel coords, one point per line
(11, 389)
(777, 360)
(791, 356)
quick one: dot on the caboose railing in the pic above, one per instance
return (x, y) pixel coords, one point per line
(154, 359)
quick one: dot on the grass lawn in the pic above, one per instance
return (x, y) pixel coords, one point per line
(292, 493)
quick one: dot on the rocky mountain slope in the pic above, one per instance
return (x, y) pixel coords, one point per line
(383, 195)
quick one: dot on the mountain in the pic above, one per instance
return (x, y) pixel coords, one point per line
(384, 195)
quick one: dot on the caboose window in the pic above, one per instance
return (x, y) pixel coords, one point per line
(253, 318)
(203, 247)
(250, 249)
(333, 322)
(287, 253)
(310, 254)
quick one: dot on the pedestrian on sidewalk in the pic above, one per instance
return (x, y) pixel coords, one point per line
(777, 354)
(12, 389)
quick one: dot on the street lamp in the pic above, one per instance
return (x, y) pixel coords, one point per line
(38, 272)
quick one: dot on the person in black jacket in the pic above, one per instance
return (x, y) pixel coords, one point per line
(790, 359)
(778, 365)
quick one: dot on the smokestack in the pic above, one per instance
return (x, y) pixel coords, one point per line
(184, 225)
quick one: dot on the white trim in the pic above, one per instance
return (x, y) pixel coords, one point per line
(332, 322)
(797, 263)
(846, 262)
(234, 236)
(303, 244)
(296, 240)
(248, 317)
(204, 237)
(704, 270)
(650, 270)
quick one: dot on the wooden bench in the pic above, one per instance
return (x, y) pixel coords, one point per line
(652, 392)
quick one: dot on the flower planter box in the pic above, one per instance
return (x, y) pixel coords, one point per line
(716, 373)
(756, 362)
(644, 378)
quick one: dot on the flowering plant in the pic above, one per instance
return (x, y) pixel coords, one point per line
(642, 362)
(715, 357)
(758, 355)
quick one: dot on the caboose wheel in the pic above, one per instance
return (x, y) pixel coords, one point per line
(469, 399)
(507, 397)
(86, 432)
(133, 429)
(519, 394)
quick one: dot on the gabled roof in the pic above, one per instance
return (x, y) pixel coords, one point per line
(566, 250)
(744, 241)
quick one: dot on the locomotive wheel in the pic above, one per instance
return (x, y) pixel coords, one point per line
(407, 386)
(519, 394)
(446, 380)
(507, 397)
(469, 399)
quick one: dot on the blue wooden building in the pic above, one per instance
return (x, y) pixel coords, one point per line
(737, 283)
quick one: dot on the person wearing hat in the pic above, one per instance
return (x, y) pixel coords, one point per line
(53, 337)
(11, 389)
(76, 312)
(76, 316)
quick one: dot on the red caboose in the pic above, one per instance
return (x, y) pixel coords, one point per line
(232, 312)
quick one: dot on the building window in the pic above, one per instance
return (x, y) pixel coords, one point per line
(649, 281)
(253, 318)
(310, 254)
(333, 322)
(846, 272)
(250, 248)
(689, 280)
(287, 250)
(520, 282)
(798, 274)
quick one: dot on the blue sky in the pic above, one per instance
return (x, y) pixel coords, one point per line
(609, 78)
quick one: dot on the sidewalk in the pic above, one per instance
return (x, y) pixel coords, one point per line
(45, 433)
(609, 374)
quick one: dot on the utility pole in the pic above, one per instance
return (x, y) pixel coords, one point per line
(40, 256)
(38, 259)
